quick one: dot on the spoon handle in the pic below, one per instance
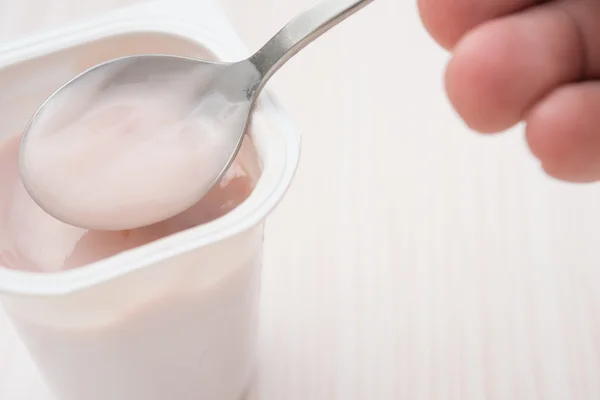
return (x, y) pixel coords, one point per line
(300, 32)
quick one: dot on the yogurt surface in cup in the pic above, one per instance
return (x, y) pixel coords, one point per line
(31, 239)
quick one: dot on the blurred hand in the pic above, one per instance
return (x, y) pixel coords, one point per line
(527, 60)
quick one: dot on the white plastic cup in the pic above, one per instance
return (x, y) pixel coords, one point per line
(173, 320)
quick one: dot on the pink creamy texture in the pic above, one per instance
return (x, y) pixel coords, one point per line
(131, 157)
(32, 240)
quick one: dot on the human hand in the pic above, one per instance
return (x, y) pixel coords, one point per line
(527, 60)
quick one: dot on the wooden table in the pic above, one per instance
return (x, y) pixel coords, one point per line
(411, 260)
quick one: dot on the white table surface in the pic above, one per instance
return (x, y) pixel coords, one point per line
(412, 259)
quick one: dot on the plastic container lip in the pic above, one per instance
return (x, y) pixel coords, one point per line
(280, 150)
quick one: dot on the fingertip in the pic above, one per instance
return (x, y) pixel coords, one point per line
(562, 133)
(545, 131)
(439, 23)
(477, 78)
(502, 68)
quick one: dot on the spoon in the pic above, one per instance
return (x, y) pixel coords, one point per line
(221, 95)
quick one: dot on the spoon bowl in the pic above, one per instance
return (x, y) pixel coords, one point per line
(209, 98)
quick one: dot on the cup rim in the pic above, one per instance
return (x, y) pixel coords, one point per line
(281, 147)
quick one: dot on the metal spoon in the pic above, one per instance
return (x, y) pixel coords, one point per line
(224, 94)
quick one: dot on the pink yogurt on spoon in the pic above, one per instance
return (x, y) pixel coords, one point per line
(133, 157)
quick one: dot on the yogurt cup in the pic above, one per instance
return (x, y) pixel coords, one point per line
(175, 319)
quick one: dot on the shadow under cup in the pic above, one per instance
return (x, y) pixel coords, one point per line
(174, 319)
